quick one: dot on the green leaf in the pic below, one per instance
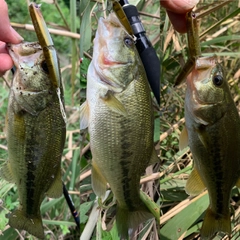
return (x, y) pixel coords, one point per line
(221, 40)
(84, 208)
(180, 223)
(156, 129)
(55, 222)
(85, 30)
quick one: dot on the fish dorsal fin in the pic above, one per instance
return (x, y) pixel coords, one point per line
(56, 189)
(6, 173)
(84, 115)
(154, 157)
(238, 183)
(113, 103)
(183, 139)
(194, 185)
(99, 183)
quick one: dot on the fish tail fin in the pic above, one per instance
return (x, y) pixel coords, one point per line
(127, 221)
(214, 222)
(32, 225)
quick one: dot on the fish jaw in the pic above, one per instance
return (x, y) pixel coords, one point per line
(29, 60)
(32, 88)
(114, 51)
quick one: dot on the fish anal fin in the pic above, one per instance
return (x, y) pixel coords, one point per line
(154, 157)
(56, 189)
(127, 221)
(33, 224)
(194, 185)
(113, 103)
(6, 173)
(213, 223)
(99, 183)
(84, 115)
(183, 139)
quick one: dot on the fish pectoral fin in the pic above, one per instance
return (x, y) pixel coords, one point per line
(6, 173)
(84, 115)
(154, 157)
(194, 185)
(202, 135)
(183, 139)
(99, 183)
(113, 103)
(56, 189)
(238, 183)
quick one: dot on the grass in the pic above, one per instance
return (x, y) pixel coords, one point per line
(57, 219)
(97, 223)
(181, 215)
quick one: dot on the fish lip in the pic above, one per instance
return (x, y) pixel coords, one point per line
(106, 61)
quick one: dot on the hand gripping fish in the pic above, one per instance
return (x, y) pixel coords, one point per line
(36, 132)
(119, 116)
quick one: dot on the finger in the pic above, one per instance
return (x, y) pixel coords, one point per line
(5, 59)
(178, 21)
(7, 33)
(179, 6)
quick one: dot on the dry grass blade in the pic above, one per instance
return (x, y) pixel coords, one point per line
(30, 27)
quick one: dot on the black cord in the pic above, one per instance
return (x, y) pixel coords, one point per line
(71, 206)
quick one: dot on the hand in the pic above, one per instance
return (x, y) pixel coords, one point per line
(176, 10)
(7, 35)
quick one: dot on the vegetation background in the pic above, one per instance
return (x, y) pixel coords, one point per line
(93, 224)
(57, 219)
(181, 215)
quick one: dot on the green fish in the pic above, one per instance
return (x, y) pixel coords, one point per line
(36, 132)
(119, 115)
(213, 131)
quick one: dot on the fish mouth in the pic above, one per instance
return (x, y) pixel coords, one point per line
(107, 62)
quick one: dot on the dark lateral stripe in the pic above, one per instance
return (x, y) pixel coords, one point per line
(217, 159)
(125, 184)
(31, 168)
(125, 154)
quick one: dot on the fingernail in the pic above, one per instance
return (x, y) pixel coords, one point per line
(16, 36)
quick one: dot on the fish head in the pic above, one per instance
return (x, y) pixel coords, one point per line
(115, 57)
(31, 73)
(208, 93)
(32, 88)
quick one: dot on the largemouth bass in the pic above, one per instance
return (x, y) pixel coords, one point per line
(35, 135)
(119, 116)
(213, 128)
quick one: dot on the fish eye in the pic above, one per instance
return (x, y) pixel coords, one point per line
(44, 66)
(128, 42)
(217, 80)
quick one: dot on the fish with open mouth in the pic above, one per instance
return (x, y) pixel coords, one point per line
(36, 132)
